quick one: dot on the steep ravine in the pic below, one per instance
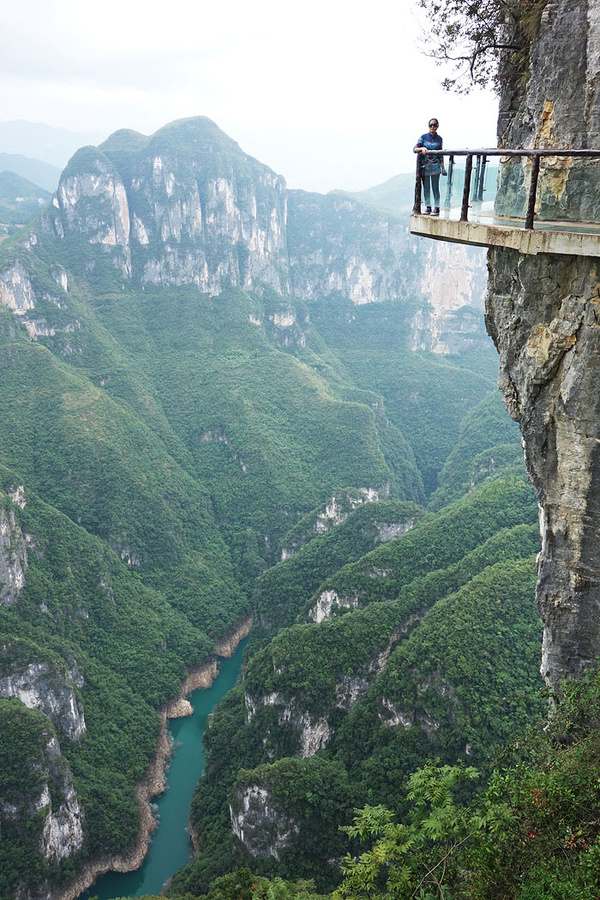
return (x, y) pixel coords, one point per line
(154, 782)
(543, 313)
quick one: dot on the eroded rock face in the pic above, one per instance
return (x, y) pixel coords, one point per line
(16, 291)
(62, 833)
(544, 316)
(40, 685)
(263, 829)
(543, 313)
(13, 558)
(92, 201)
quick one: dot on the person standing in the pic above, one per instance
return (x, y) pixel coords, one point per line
(431, 166)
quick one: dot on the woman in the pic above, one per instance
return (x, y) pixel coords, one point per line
(431, 166)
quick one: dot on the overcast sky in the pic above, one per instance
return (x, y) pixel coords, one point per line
(329, 93)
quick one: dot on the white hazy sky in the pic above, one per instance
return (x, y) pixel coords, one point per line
(329, 93)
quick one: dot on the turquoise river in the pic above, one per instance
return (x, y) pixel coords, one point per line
(170, 846)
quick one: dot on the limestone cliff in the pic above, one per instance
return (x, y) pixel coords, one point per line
(543, 313)
(186, 206)
(259, 824)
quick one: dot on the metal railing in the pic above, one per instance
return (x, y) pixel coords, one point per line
(481, 157)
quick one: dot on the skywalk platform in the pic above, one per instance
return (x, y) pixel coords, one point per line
(475, 221)
(485, 229)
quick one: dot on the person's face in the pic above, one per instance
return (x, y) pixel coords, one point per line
(433, 126)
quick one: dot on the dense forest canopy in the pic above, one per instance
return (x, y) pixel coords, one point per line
(221, 398)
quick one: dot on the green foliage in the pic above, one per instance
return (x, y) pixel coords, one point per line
(283, 591)
(418, 859)
(244, 885)
(425, 397)
(170, 443)
(488, 445)
(465, 674)
(435, 542)
(20, 199)
(309, 797)
(82, 607)
(478, 37)
(532, 834)
(25, 767)
(469, 672)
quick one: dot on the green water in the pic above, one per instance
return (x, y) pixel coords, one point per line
(170, 848)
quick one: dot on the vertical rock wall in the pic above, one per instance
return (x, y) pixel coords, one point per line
(543, 313)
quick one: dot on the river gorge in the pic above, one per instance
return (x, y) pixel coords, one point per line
(170, 845)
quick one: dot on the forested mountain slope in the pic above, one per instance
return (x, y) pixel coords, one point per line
(427, 646)
(212, 404)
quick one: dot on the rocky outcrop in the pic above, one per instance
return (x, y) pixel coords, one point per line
(543, 313)
(153, 783)
(227, 645)
(416, 713)
(92, 202)
(185, 206)
(13, 557)
(261, 826)
(16, 290)
(315, 731)
(337, 245)
(333, 512)
(42, 685)
(329, 601)
(62, 832)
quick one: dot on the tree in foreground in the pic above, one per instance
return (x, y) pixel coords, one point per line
(484, 40)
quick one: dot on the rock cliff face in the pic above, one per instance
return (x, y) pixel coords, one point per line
(543, 313)
(41, 685)
(257, 822)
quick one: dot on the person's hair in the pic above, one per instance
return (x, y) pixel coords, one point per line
(433, 120)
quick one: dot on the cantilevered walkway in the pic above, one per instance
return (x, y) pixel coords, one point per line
(476, 220)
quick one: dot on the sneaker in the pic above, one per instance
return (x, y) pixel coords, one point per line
(427, 211)
(436, 211)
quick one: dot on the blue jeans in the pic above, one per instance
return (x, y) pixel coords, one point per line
(431, 183)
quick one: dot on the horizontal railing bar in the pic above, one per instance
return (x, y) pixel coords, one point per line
(496, 152)
(482, 156)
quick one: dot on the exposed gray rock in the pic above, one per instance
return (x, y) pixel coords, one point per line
(333, 512)
(543, 313)
(62, 833)
(188, 207)
(263, 828)
(40, 685)
(327, 602)
(16, 290)
(93, 203)
(13, 554)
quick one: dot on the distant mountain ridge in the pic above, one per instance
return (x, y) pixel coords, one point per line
(34, 170)
(43, 142)
(20, 199)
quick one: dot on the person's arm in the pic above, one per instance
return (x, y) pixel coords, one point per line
(419, 148)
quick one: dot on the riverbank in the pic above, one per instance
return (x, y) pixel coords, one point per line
(154, 782)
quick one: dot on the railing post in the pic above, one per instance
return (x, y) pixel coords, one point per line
(535, 171)
(450, 176)
(464, 212)
(417, 203)
(476, 179)
(482, 177)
